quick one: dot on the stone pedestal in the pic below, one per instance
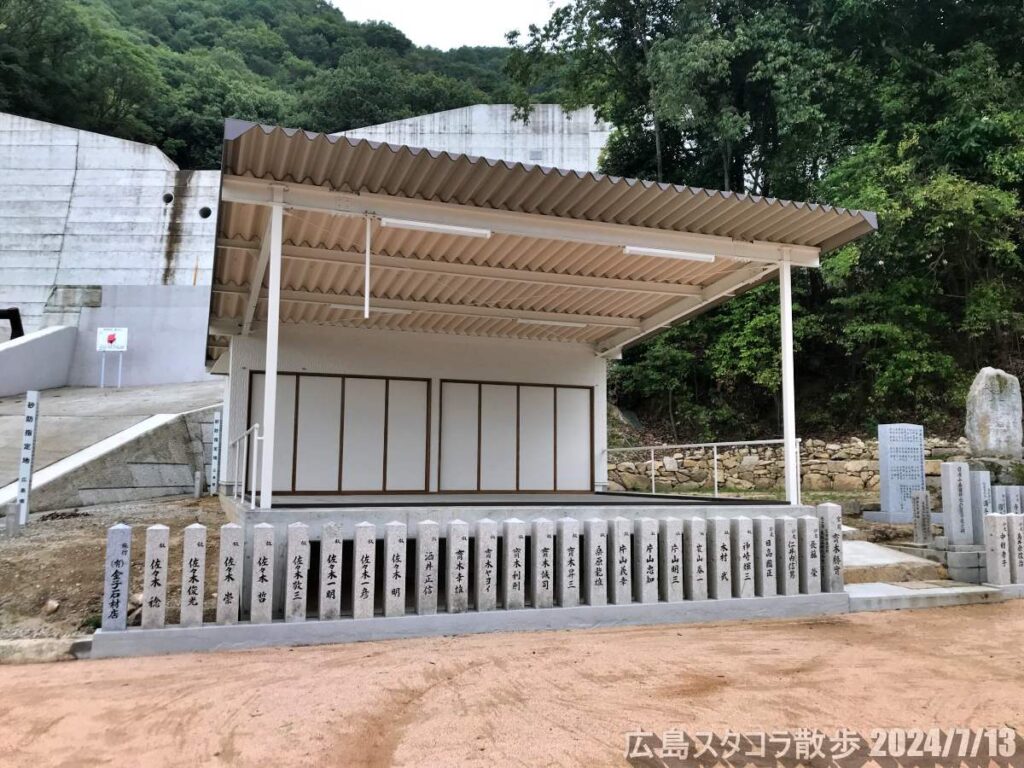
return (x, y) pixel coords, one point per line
(486, 565)
(695, 559)
(810, 555)
(261, 603)
(997, 549)
(193, 575)
(568, 563)
(154, 588)
(331, 549)
(1015, 528)
(457, 594)
(742, 544)
(595, 584)
(229, 574)
(787, 543)
(619, 531)
(719, 559)
(394, 568)
(765, 573)
(297, 572)
(543, 541)
(514, 568)
(427, 536)
(830, 530)
(364, 555)
(117, 577)
(956, 502)
(645, 560)
(671, 559)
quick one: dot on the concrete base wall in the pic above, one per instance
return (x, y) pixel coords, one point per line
(161, 462)
(148, 642)
(38, 360)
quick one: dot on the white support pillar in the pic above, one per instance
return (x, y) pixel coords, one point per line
(790, 447)
(273, 326)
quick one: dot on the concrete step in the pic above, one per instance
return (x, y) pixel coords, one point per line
(884, 596)
(867, 563)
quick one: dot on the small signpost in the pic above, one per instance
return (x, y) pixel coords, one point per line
(215, 455)
(111, 340)
(28, 452)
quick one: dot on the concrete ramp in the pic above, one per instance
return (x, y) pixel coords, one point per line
(101, 446)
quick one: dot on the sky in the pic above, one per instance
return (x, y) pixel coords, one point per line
(448, 24)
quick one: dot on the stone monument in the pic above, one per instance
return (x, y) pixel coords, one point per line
(994, 415)
(901, 471)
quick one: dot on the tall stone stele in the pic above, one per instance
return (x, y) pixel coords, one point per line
(994, 426)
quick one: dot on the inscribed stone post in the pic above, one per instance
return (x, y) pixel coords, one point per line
(514, 567)
(981, 502)
(765, 579)
(921, 503)
(331, 549)
(193, 575)
(719, 559)
(457, 552)
(830, 547)
(486, 565)
(619, 530)
(230, 559)
(741, 538)
(1000, 500)
(595, 585)
(997, 550)
(787, 550)
(567, 585)
(1013, 505)
(154, 587)
(810, 554)
(261, 604)
(695, 559)
(394, 568)
(1015, 528)
(427, 538)
(116, 577)
(956, 502)
(297, 572)
(645, 558)
(671, 554)
(901, 468)
(364, 554)
(543, 563)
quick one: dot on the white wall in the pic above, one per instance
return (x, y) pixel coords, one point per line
(421, 355)
(552, 137)
(79, 209)
(37, 360)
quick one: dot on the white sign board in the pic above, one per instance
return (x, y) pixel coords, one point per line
(28, 449)
(111, 339)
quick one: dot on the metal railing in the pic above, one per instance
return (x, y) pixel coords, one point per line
(240, 445)
(693, 446)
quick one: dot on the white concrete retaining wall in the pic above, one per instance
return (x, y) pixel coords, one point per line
(552, 137)
(82, 213)
(38, 360)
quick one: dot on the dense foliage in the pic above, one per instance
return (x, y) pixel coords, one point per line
(911, 109)
(169, 71)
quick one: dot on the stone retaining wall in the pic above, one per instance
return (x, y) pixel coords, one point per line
(849, 465)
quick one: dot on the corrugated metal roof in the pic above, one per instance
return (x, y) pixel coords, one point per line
(444, 283)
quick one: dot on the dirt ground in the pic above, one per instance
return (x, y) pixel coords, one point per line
(59, 557)
(561, 698)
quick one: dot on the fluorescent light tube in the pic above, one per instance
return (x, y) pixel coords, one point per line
(441, 229)
(637, 250)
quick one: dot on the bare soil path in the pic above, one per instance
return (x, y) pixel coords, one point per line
(562, 698)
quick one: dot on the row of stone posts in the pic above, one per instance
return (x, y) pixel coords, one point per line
(621, 561)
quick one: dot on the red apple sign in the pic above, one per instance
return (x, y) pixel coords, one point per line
(111, 338)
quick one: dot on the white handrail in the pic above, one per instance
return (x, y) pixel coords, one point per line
(688, 446)
(240, 445)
